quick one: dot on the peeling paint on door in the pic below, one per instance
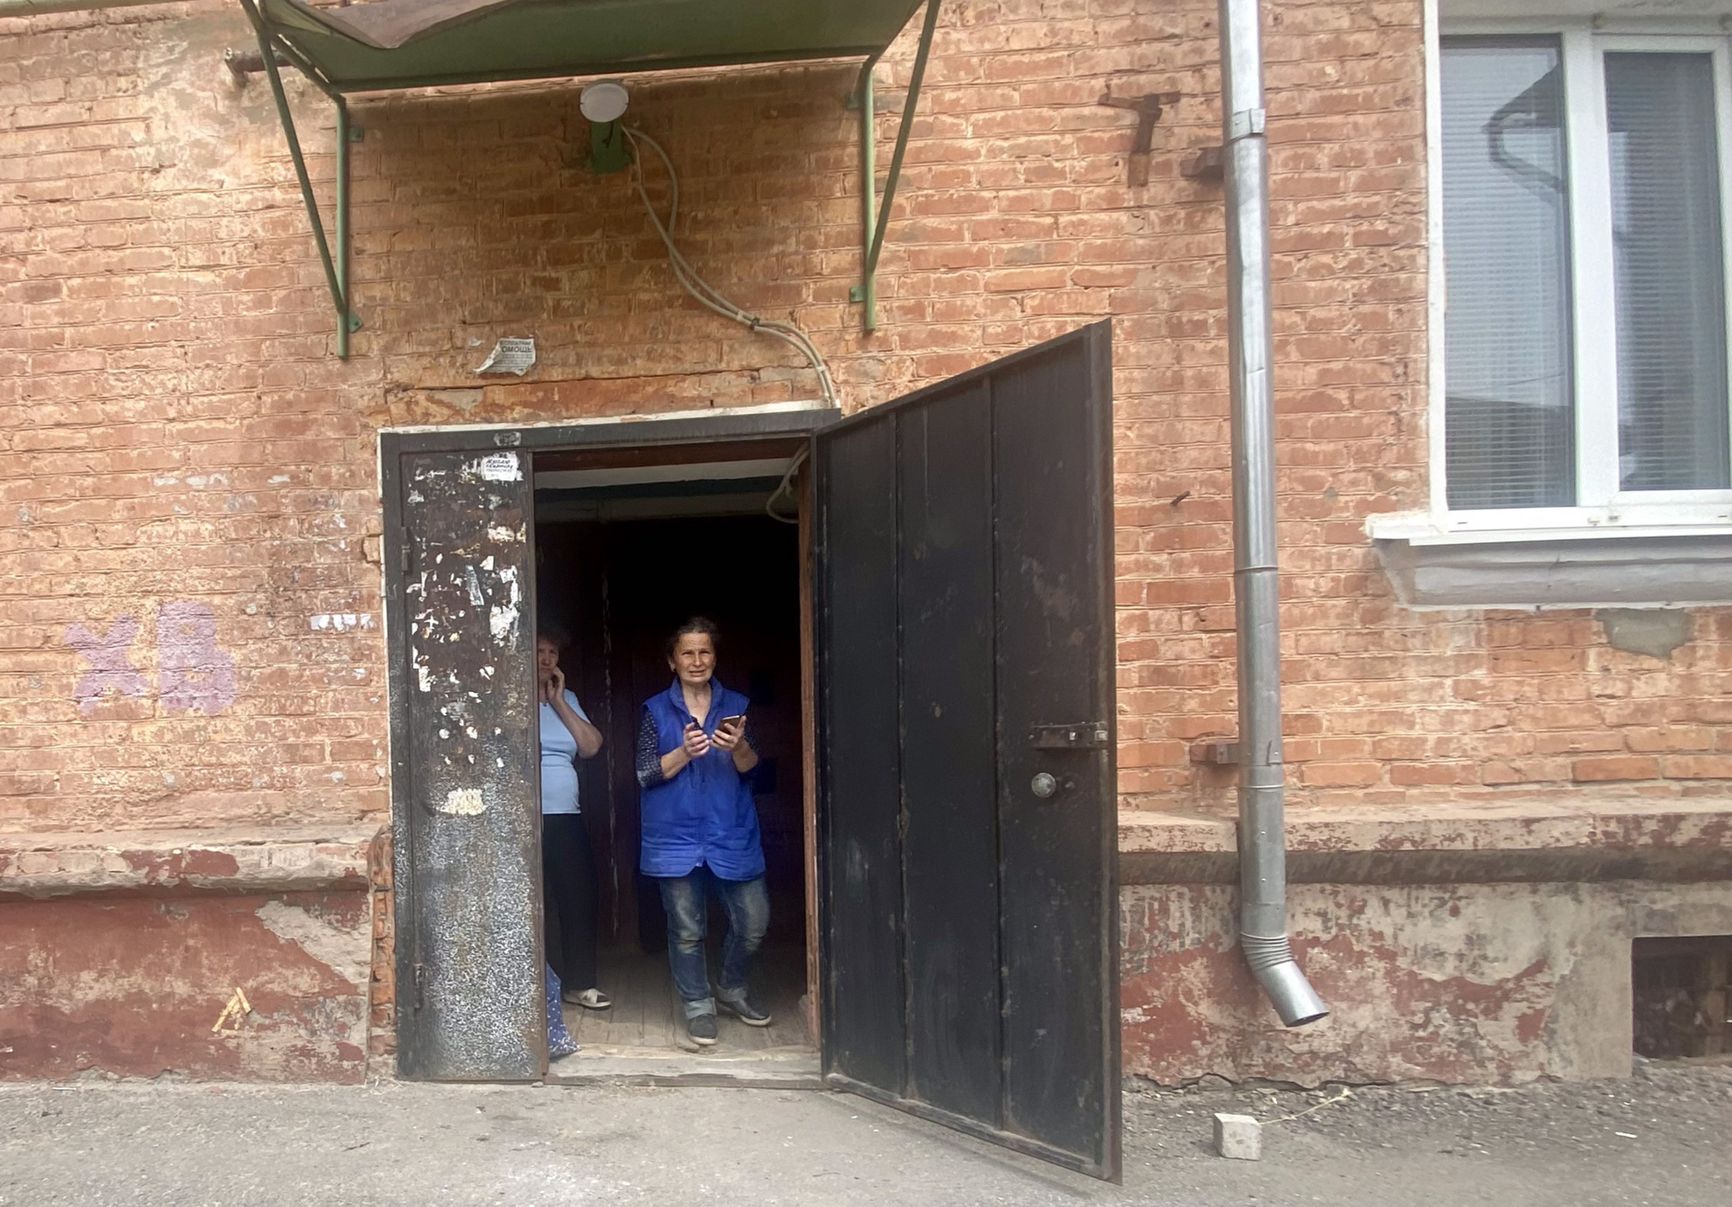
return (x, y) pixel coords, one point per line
(462, 802)
(467, 847)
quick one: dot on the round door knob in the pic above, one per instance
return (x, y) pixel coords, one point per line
(1043, 785)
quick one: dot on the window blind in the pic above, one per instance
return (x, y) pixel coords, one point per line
(1668, 271)
(1509, 418)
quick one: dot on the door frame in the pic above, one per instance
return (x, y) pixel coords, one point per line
(794, 422)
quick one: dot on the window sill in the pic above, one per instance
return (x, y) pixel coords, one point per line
(1435, 565)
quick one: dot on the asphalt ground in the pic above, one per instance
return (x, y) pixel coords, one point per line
(1662, 1138)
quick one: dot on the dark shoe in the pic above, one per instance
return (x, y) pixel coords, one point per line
(702, 1029)
(745, 1012)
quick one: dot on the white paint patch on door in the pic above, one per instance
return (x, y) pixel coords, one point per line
(502, 620)
(463, 802)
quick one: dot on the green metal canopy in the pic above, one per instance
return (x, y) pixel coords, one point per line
(416, 43)
(394, 44)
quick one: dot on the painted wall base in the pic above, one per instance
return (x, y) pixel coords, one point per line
(1487, 983)
(217, 957)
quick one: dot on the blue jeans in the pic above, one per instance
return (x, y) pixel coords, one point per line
(686, 899)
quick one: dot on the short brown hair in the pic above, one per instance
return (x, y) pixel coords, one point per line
(697, 624)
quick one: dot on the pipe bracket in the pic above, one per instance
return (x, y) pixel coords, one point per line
(1245, 123)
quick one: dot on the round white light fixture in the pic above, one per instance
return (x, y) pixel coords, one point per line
(603, 101)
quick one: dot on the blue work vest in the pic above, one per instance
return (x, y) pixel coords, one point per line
(705, 814)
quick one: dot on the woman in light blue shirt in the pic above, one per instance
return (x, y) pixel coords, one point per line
(567, 865)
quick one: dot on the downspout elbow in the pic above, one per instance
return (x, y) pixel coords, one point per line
(1272, 963)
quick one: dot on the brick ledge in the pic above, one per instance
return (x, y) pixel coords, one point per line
(185, 862)
(1511, 840)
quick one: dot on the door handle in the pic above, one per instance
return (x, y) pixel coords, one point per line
(1046, 785)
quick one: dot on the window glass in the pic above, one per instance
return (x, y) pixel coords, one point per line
(1669, 273)
(1509, 419)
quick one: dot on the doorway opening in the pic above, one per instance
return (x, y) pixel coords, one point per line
(952, 596)
(629, 544)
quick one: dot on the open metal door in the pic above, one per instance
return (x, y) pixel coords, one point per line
(966, 776)
(467, 867)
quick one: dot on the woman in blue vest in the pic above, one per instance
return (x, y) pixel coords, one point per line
(700, 828)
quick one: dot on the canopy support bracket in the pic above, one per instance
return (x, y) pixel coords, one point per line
(875, 215)
(334, 260)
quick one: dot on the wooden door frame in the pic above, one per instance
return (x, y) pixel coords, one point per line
(635, 439)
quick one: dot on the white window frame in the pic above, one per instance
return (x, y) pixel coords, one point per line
(1602, 507)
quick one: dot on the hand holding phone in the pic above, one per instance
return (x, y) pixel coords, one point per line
(697, 742)
(729, 730)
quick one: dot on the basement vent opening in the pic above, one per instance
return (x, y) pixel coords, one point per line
(1683, 997)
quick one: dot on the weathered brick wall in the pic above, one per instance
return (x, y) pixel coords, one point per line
(191, 621)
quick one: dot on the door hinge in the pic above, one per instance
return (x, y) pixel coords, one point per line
(420, 974)
(1081, 735)
(403, 558)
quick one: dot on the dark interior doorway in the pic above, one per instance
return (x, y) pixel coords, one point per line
(618, 567)
(620, 588)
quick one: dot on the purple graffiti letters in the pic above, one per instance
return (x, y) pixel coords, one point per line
(194, 675)
(110, 669)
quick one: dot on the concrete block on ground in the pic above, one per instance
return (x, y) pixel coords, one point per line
(1239, 1137)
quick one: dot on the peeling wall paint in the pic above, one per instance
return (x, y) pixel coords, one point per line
(130, 988)
(339, 622)
(1454, 983)
(315, 933)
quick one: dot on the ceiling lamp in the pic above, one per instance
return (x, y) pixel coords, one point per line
(604, 103)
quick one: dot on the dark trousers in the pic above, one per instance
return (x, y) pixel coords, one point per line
(568, 897)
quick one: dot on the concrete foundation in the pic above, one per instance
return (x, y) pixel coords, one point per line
(238, 958)
(1475, 944)
(1447, 948)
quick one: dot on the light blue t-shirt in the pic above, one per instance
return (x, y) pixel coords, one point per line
(559, 759)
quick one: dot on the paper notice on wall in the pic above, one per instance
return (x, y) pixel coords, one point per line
(513, 356)
(497, 467)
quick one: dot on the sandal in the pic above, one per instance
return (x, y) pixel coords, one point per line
(590, 999)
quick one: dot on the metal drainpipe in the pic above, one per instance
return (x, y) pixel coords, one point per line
(1262, 831)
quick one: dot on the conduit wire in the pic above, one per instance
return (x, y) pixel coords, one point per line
(785, 487)
(700, 288)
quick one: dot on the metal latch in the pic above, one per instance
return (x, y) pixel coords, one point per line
(420, 985)
(1082, 735)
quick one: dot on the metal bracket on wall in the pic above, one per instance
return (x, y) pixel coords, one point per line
(335, 261)
(875, 215)
(1219, 752)
(1148, 109)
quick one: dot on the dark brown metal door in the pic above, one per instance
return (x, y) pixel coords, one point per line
(966, 798)
(470, 1000)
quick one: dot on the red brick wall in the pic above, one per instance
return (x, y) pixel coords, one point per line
(188, 504)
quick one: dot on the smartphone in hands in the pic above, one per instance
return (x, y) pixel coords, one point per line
(736, 723)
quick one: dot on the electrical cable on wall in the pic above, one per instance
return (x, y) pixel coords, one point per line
(701, 289)
(785, 487)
